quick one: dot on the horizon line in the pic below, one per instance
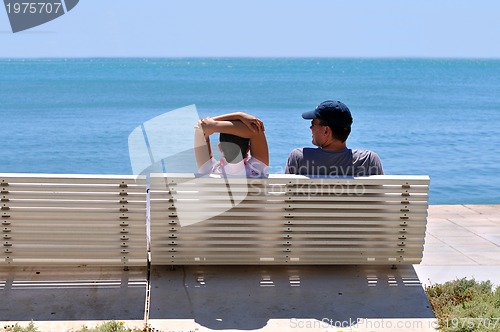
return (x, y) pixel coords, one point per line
(257, 57)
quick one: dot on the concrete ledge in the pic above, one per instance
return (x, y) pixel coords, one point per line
(313, 325)
(71, 325)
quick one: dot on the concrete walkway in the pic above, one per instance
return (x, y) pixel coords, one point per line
(462, 241)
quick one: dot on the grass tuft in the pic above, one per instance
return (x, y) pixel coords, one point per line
(111, 326)
(465, 305)
(16, 328)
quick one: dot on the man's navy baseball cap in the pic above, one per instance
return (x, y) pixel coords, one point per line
(335, 113)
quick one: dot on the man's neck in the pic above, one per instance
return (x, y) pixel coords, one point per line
(334, 145)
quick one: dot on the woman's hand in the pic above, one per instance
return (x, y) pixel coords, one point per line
(208, 125)
(253, 123)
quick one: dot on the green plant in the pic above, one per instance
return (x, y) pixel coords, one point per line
(16, 328)
(114, 326)
(111, 326)
(466, 305)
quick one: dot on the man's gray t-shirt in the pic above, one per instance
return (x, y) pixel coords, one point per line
(347, 162)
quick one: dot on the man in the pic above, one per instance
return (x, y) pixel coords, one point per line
(239, 134)
(330, 126)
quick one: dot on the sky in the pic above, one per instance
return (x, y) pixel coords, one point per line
(263, 28)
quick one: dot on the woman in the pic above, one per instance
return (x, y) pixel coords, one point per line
(240, 134)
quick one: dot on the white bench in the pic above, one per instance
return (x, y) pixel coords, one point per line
(101, 220)
(287, 220)
(49, 219)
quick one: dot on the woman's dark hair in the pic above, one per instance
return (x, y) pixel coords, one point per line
(233, 147)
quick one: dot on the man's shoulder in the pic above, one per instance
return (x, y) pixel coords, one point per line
(363, 154)
(297, 150)
(296, 153)
(368, 159)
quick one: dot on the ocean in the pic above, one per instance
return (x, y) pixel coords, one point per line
(436, 117)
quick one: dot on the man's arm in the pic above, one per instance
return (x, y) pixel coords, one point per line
(375, 165)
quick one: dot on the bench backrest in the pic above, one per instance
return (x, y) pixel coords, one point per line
(287, 220)
(51, 219)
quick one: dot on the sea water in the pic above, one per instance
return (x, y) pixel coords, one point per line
(436, 117)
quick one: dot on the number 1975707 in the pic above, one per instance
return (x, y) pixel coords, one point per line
(33, 7)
